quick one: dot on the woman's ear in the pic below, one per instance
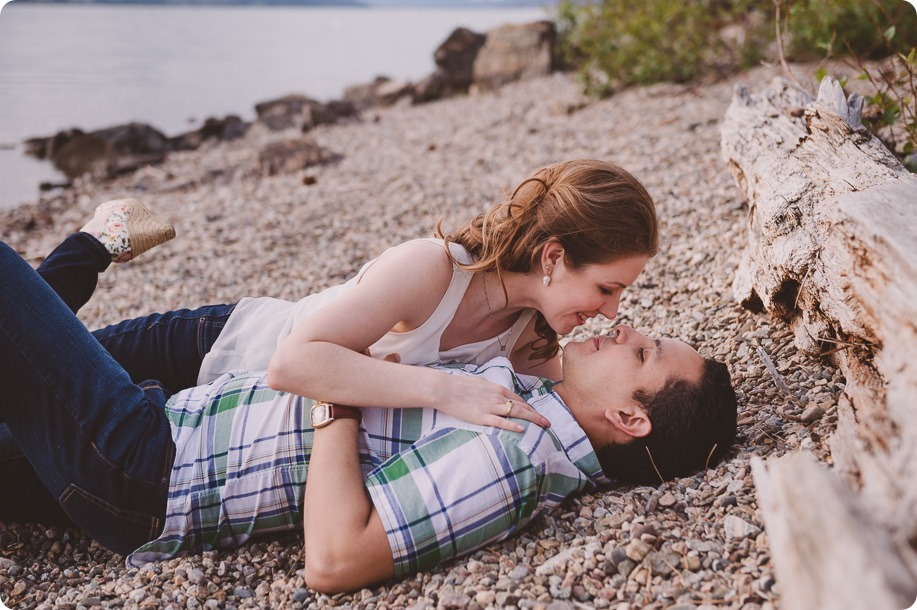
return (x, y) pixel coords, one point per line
(631, 421)
(551, 253)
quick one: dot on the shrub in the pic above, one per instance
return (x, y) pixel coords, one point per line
(622, 42)
(838, 27)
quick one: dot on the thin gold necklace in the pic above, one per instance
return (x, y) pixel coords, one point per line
(490, 311)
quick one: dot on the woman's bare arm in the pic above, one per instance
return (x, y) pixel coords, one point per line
(322, 357)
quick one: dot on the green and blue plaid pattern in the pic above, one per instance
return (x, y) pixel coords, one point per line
(442, 487)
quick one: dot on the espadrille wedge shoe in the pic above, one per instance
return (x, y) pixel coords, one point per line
(127, 229)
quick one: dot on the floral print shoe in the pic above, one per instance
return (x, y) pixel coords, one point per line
(127, 229)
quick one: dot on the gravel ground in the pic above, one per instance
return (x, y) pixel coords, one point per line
(692, 542)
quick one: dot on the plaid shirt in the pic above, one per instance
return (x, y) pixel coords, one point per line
(442, 487)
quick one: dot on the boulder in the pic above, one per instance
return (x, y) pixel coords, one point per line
(390, 92)
(364, 96)
(383, 91)
(455, 58)
(332, 112)
(227, 128)
(431, 88)
(301, 111)
(515, 52)
(44, 148)
(111, 151)
(290, 156)
(284, 112)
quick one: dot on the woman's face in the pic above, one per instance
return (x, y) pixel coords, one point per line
(575, 296)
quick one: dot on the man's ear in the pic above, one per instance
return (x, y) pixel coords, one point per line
(551, 253)
(631, 420)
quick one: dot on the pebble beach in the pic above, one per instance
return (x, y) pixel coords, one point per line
(696, 542)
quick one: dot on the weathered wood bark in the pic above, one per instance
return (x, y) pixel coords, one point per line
(832, 250)
(855, 559)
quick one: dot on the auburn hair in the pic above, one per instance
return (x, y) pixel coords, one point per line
(597, 211)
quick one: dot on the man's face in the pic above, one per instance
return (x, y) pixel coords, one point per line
(608, 369)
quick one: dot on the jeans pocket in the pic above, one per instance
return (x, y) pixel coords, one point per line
(120, 530)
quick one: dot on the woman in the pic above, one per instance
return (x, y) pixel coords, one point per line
(558, 251)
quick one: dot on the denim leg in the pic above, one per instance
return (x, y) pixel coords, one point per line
(168, 346)
(25, 498)
(99, 443)
(72, 269)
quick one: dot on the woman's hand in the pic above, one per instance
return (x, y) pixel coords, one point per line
(485, 403)
(475, 402)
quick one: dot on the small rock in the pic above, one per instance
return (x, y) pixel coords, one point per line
(196, 576)
(691, 563)
(737, 528)
(667, 499)
(643, 530)
(616, 555)
(300, 594)
(453, 599)
(625, 567)
(519, 573)
(242, 592)
(485, 598)
(727, 501)
(812, 413)
(637, 550)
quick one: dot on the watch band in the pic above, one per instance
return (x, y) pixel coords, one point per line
(323, 413)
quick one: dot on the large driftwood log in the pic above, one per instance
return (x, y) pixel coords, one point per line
(855, 565)
(832, 229)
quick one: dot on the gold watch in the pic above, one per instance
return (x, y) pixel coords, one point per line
(323, 413)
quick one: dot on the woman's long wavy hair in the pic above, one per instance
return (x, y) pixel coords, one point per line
(597, 211)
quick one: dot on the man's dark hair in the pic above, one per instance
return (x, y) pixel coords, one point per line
(694, 425)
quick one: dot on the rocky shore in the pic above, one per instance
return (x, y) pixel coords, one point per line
(391, 174)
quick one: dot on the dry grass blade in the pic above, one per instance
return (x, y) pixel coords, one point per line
(778, 380)
(710, 455)
(653, 462)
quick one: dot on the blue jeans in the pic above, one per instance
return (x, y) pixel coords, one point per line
(100, 444)
(167, 347)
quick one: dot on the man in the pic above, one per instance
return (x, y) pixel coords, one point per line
(394, 493)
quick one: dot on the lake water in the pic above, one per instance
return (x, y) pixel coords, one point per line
(94, 66)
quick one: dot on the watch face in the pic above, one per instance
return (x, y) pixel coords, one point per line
(320, 415)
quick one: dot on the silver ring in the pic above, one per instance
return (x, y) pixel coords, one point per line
(509, 408)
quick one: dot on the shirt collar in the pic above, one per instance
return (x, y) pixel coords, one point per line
(568, 431)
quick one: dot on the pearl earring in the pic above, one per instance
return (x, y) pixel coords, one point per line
(546, 280)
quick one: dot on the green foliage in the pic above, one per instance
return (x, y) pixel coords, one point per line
(891, 113)
(623, 42)
(616, 43)
(866, 28)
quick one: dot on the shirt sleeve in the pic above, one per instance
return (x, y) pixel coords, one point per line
(451, 493)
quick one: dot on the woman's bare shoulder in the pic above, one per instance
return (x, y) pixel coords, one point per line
(417, 259)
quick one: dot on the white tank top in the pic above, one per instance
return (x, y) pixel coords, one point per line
(258, 325)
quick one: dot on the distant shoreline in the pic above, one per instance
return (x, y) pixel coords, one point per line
(419, 4)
